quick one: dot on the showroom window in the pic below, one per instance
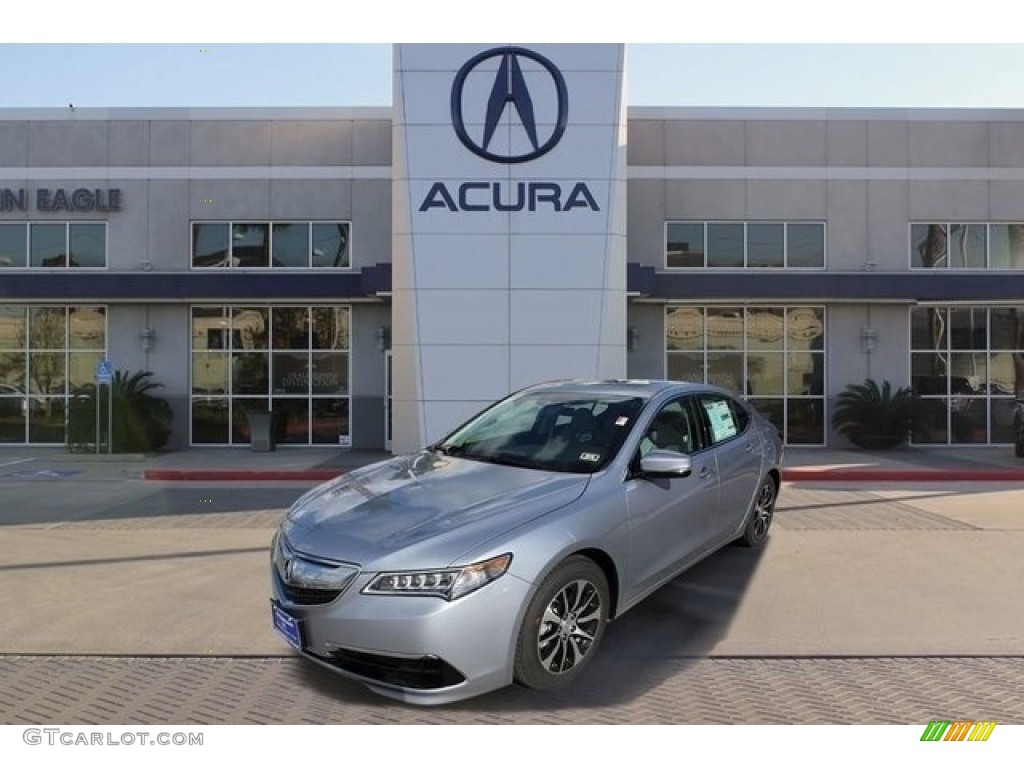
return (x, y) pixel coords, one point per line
(53, 245)
(967, 363)
(739, 244)
(292, 361)
(773, 355)
(46, 354)
(268, 244)
(966, 245)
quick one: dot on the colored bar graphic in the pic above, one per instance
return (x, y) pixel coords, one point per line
(958, 730)
(982, 730)
(935, 730)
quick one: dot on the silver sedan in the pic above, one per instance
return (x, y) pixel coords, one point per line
(499, 554)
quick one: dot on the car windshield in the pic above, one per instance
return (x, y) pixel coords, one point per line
(555, 431)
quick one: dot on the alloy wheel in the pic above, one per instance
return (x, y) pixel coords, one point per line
(569, 626)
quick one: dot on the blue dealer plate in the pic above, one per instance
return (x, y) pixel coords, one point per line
(288, 626)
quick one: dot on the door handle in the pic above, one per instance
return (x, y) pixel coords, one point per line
(749, 447)
(705, 473)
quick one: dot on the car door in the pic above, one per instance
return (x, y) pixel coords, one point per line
(671, 519)
(737, 451)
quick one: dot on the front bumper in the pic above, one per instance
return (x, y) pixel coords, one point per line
(417, 649)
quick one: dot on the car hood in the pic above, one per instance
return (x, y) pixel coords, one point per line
(422, 510)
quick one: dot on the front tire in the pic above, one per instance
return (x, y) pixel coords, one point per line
(761, 514)
(563, 625)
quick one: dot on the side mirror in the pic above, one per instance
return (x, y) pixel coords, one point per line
(660, 462)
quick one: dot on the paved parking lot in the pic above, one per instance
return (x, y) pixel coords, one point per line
(879, 604)
(619, 689)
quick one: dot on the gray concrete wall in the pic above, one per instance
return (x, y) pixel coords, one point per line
(645, 358)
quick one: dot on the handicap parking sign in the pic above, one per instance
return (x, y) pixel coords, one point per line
(104, 372)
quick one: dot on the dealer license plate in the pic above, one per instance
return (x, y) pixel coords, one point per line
(289, 627)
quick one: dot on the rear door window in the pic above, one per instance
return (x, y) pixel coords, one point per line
(724, 417)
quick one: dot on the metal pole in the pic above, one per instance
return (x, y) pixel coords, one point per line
(110, 418)
(97, 417)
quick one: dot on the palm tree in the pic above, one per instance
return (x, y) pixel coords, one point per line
(139, 420)
(874, 417)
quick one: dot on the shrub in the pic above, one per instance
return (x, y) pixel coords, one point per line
(874, 417)
(139, 420)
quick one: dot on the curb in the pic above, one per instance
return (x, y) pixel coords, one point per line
(795, 475)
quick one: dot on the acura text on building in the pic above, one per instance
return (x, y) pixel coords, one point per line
(510, 94)
(520, 196)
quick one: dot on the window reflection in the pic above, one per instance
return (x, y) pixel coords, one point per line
(773, 355)
(725, 245)
(764, 245)
(1006, 246)
(330, 245)
(267, 357)
(330, 420)
(330, 327)
(291, 328)
(736, 244)
(48, 246)
(966, 365)
(46, 354)
(250, 327)
(88, 245)
(685, 245)
(292, 420)
(291, 244)
(965, 245)
(87, 328)
(47, 327)
(805, 245)
(265, 244)
(250, 245)
(684, 328)
(12, 327)
(968, 246)
(12, 245)
(210, 245)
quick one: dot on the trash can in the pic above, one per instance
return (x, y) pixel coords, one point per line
(261, 431)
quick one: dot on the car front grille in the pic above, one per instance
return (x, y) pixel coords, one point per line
(423, 673)
(305, 580)
(303, 596)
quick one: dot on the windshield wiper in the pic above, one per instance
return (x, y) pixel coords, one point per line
(447, 450)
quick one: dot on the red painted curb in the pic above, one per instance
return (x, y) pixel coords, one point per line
(232, 475)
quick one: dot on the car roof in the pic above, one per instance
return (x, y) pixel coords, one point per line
(645, 388)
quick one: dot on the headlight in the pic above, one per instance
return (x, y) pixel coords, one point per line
(450, 583)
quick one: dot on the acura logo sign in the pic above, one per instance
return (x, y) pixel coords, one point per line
(511, 94)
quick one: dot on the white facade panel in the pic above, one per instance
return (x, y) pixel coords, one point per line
(463, 261)
(497, 144)
(555, 262)
(463, 316)
(463, 372)
(556, 317)
(531, 364)
(443, 416)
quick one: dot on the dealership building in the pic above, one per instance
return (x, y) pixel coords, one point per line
(374, 276)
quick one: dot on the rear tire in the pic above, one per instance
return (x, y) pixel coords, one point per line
(761, 514)
(563, 625)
